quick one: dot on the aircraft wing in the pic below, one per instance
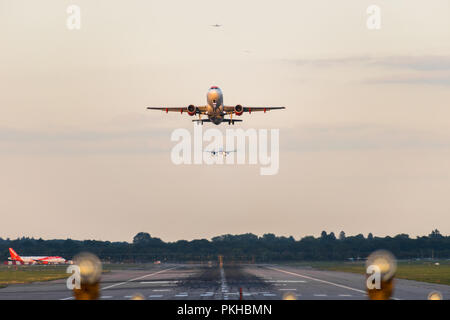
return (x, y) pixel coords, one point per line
(202, 109)
(252, 109)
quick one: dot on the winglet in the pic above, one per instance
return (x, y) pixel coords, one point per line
(14, 255)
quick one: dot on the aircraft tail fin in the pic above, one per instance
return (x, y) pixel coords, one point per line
(14, 255)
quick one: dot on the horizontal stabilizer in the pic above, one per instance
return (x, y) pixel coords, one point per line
(231, 121)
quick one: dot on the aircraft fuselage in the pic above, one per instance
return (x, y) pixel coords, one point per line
(214, 105)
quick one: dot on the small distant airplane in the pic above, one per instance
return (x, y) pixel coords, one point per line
(37, 259)
(216, 25)
(220, 152)
(215, 109)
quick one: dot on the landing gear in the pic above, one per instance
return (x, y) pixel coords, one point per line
(231, 121)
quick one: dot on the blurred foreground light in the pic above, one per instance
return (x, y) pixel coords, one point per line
(381, 267)
(385, 261)
(435, 295)
(90, 274)
(289, 296)
(90, 267)
(137, 296)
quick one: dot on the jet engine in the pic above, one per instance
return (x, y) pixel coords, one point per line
(239, 110)
(192, 110)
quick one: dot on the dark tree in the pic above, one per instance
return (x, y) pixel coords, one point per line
(244, 247)
(142, 238)
(435, 234)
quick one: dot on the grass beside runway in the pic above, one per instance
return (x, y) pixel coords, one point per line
(424, 271)
(33, 273)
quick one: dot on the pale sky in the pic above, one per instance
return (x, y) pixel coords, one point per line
(365, 137)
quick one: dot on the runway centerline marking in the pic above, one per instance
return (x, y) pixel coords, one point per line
(318, 280)
(224, 285)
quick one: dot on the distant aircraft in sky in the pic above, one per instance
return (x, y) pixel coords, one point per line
(216, 25)
(219, 152)
(35, 260)
(215, 110)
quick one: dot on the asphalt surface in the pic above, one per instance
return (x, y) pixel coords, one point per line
(198, 282)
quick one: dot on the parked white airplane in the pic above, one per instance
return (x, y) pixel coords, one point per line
(38, 260)
(214, 109)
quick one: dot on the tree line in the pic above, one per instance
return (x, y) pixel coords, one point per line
(240, 248)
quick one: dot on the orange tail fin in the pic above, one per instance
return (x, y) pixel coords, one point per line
(14, 255)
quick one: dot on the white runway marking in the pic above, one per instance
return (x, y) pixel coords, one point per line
(319, 280)
(161, 290)
(206, 294)
(134, 279)
(106, 297)
(182, 294)
(320, 295)
(158, 282)
(286, 281)
(269, 295)
(138, 278)
(224, 285)
(155, 296)
(287, 289)
(344, 295)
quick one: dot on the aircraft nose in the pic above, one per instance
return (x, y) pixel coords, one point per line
(214, 95)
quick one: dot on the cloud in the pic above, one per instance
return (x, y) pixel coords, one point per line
(403, 69)
(420, 63)
(424, 79)
(82, 141)
(360, 136)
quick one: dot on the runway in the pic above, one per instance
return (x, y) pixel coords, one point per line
(200, 282)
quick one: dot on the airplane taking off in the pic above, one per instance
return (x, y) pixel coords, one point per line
(35, 260)
(214, 109)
